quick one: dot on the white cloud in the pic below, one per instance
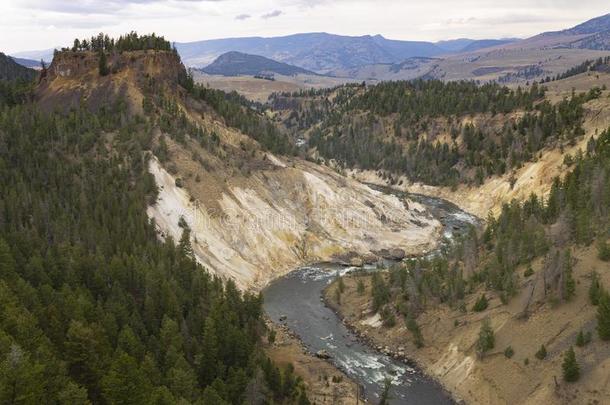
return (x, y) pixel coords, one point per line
(38, 24)
(273, 14)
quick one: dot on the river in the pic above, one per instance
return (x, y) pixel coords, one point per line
(296, 301)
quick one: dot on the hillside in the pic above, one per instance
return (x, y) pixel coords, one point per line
(498, 316)
(29, 63)
(11, 70)
(433, 132)
(97, 307)
(239, 64)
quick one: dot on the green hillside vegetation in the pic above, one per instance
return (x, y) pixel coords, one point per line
(357, 134)
(380, 127)
(95, 309)
(12, 71)
(128, 42)
(578, 210)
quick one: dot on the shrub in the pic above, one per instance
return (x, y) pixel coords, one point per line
(481, 304)
(583, 338)
(413, 327)
(541, 353)
(603, 316)
(509, 352)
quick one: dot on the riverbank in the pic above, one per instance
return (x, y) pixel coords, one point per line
(524, 324)
(296, 302)
(325, 383)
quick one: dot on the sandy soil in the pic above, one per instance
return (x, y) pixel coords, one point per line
(524, 324)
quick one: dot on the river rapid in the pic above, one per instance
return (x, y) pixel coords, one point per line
(296, 301)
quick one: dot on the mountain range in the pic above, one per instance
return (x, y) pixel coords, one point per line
(378, 58)
(323, 52)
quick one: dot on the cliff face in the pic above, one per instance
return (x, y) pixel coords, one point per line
(253, 216)
(258, 227)
(74, 78)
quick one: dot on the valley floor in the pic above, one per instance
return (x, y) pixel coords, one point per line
(528, 321)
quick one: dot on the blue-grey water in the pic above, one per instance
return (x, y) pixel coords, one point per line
(296, 300)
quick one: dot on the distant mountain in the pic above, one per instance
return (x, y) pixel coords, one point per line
(592, 34)
(318, 52)
(11, 70)
(487, 43)
(243, 64)
(324, 53)
(37, 55)
(29, 63)
(454, 45)
(592, 26)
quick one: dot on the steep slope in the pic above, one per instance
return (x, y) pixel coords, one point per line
(237, 64)
(11, 70)
(96, 308)
(252, 216)
(74, 78)
(592, 34)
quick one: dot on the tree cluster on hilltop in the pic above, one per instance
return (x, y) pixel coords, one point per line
(128, 42)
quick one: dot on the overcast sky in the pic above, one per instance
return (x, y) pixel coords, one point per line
(41, 24)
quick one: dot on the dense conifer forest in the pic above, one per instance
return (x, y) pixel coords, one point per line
(380, 127)
(94, 308)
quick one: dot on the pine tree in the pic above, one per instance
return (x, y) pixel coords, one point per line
(7, 263)
(595, 289)
(103, 64)
(385, 394)
(414, 328)
(486, 339)
(603, 316)
(185, 243)
(571, 370)
(125, 383)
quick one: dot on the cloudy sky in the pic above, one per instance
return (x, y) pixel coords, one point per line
(41, 24)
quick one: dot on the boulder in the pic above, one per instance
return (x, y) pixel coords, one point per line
(323, 354)
(397, 254)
